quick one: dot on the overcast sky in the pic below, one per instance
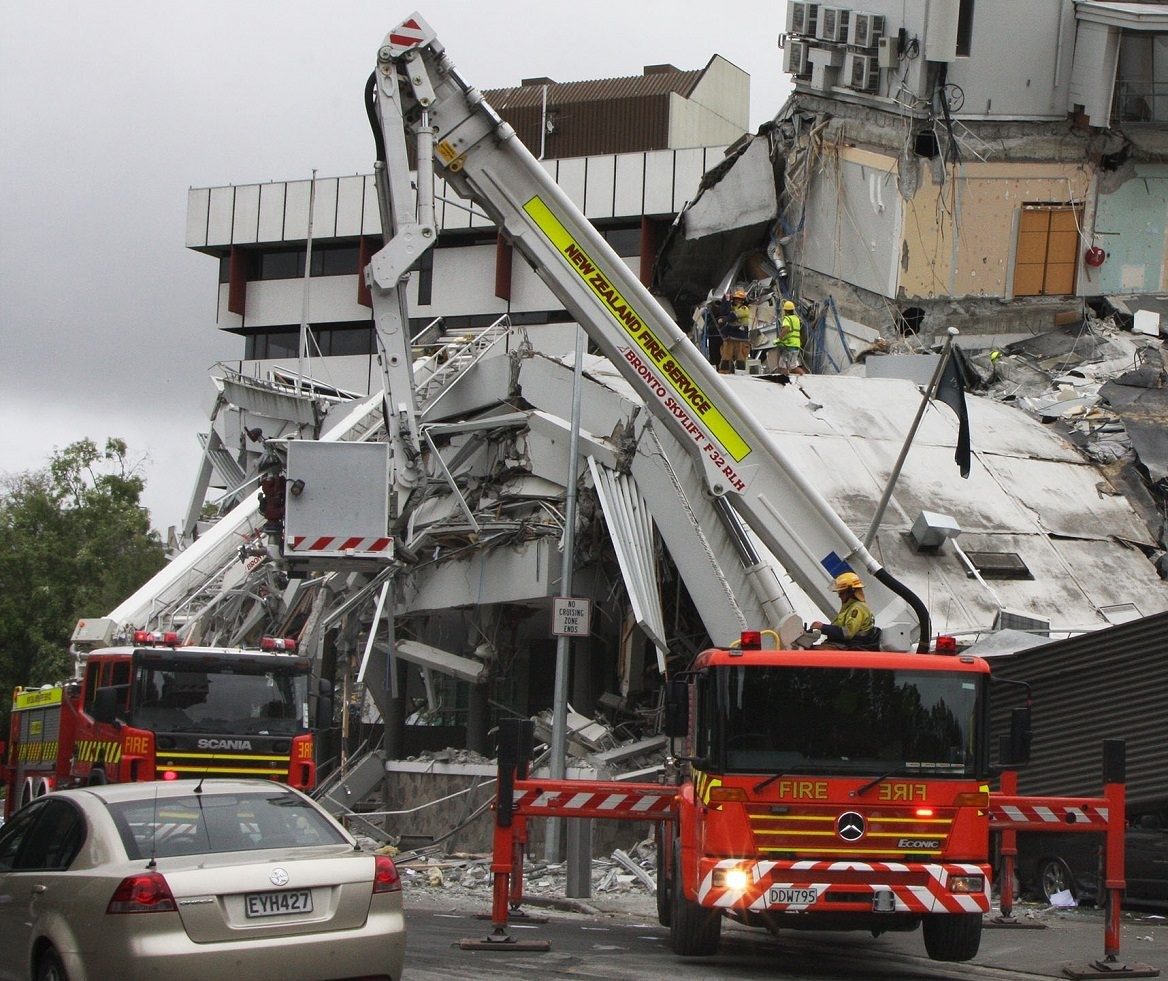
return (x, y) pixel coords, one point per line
(110, 111)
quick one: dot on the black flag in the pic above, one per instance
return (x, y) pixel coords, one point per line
(951, 391)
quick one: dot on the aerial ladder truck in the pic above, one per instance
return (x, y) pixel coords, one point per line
(807, 788)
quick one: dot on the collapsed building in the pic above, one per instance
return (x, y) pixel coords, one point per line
(433, 646)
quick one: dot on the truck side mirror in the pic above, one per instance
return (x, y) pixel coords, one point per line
(676, 708)
(105, 705)
(1018, 746)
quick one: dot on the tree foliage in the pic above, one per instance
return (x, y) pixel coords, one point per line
(74, 542)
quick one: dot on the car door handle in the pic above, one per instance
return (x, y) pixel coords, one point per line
(39, 888)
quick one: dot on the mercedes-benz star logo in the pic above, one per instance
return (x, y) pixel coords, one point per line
(280, 878)
(850, 826)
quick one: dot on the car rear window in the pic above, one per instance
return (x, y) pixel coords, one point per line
(211, 823)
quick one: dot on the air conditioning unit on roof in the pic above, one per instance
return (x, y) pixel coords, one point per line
(833, 24)
(795, 58)
(862, 72)
(802, 17)
(865, 30)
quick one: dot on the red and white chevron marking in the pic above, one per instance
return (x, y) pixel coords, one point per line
(1043, 815)
(932, 896)
(333, 544)
(553, 803)
(407, 34)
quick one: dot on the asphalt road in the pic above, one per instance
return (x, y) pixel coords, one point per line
(609, 945)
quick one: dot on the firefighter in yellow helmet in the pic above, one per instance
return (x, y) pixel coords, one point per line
(854, 627)
(789, 342)
(734, 326)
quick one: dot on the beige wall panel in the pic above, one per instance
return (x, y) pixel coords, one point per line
(965, 247)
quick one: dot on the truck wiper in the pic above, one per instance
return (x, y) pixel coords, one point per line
(861, 791)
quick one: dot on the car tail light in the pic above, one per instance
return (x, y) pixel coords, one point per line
(385, 877)
(146, 892)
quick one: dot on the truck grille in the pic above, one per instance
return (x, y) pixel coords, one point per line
(889, 834)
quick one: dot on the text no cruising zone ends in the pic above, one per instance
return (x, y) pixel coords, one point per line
(571, 616)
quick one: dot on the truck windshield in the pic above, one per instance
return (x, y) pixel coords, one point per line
(184, 697)
(841, 721)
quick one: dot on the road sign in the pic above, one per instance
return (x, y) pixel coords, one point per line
(571, 616)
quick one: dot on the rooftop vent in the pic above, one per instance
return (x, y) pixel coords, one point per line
(930, 530)
(1000, 565)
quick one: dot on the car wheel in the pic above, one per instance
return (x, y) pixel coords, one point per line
(1053, 876)
(50, 968)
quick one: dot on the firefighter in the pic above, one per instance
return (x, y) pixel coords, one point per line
(735, 329)
(789, 342)
(854, 627)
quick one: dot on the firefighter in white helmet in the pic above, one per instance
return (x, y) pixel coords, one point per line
(854, 627)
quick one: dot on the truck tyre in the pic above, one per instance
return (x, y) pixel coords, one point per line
(664, 880)
(952, 937)
(694, 930)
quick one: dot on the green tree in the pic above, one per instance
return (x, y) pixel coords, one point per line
(74, 542)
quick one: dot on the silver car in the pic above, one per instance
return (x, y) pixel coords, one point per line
(228, 879)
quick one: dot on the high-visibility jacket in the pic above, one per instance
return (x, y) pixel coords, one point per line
(854, 620)
(790, 332)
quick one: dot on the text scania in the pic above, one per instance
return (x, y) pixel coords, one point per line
(224, 744)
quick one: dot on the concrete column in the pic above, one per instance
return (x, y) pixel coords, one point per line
(477, 716)
(394, 739)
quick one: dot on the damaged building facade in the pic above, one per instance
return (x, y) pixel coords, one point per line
(454, 631)
(982, 164)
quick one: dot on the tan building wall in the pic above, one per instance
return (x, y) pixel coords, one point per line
(961, 238)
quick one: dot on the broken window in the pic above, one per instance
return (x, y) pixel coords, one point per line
(1047, 257)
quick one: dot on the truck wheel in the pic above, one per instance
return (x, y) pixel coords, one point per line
(664, 881)
(952, 937)
(694, 930)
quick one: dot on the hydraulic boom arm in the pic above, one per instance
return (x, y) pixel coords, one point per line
(420, 93)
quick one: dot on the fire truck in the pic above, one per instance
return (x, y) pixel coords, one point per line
(830, 790)
(154, 710)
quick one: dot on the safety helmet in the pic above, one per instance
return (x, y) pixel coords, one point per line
(847, 580)
(738, 294)
(788, 304)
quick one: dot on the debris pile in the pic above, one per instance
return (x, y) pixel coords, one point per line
(623, 876)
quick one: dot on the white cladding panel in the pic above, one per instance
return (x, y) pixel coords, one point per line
(219, 217)
(569, 175)
(599, 187)
(630, 184)
(271, 221)
(691, 165)
(296, 212)
(198, 203)
(324, 209)
(371, 221)
(464, 283)
(350, 205)
(246, 213)
(659, 182)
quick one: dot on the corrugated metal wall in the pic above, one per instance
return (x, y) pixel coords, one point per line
(1110, 684)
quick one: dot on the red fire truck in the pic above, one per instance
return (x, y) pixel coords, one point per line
(153, 710)
(830, 790)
